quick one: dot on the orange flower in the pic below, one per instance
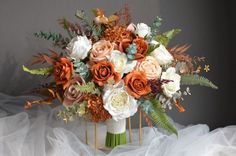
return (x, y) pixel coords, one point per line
(103, 71)
(63, 70)
(142, 48)
(96, 109)
(137, 84)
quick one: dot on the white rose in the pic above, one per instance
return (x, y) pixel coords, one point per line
(121, 63)
(118, 102)
(173, 86)
(162, 55)
(142, 30)
(79, 47)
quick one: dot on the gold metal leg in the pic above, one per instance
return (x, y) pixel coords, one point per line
(130, 130)
(140, 127)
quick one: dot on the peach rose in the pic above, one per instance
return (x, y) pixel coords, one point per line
(63, 70)
(103, 71)
(137, 84)
(142, 48)
(150, 67)
(101, 51)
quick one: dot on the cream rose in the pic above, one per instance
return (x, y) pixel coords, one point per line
(79, 47)
(172, 87)
(162, 55)
(142, 30)
(118, 102)
(151, 67)
(101, 51)
(121, 63)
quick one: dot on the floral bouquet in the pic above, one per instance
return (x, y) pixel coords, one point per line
(109, 68)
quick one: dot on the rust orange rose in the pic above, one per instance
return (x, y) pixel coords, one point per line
(63, 70)
(137, 84)
(103, 71)
(101, 51)
(124, 44)
(142, 48)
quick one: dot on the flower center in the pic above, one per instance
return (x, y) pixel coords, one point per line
(119, 100)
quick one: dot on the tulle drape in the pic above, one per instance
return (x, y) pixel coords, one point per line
(38, 132)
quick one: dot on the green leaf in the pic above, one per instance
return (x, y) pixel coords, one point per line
(39, 71)
(194, 79)
(72, 112)
(167, 36)
(88, 88)
(94, 11)
(157, 115)
(151, 48)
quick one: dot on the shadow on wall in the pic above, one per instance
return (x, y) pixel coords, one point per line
(14, 81)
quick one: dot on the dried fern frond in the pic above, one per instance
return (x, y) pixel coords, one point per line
(180, 53)
(124, 15)
(148, 120)
(194, 79)
(43, 57)
(72, 27)
(157, 114)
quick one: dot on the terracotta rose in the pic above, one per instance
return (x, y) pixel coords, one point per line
(63, 70)
(103, 71)
(137, 84)
(72, 95)
(142, 48)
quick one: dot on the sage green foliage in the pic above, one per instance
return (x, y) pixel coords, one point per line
(97, 31)
(88, 88)
(157, 114)
(72, 112)
(131, 51)
(39, 71)
(56, 37)
(194, 79)
(81, 69)
(84, 19)
(167, 36)
(155, 28)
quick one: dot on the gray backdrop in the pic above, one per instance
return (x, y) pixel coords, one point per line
(207, 26)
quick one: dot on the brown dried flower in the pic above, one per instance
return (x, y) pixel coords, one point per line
(117, 34)
(96, 109)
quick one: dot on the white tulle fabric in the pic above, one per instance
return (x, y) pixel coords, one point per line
(37, 132)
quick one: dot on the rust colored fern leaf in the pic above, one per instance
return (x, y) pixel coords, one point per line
(148, 120)
(180, 53)
(43, 58)
(124, 15)
(73, 27)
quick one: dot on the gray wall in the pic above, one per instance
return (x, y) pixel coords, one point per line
(206, 25)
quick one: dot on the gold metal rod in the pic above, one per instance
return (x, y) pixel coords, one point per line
(86, 132)
(140, 127)
(130, 130)
(95, 137)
